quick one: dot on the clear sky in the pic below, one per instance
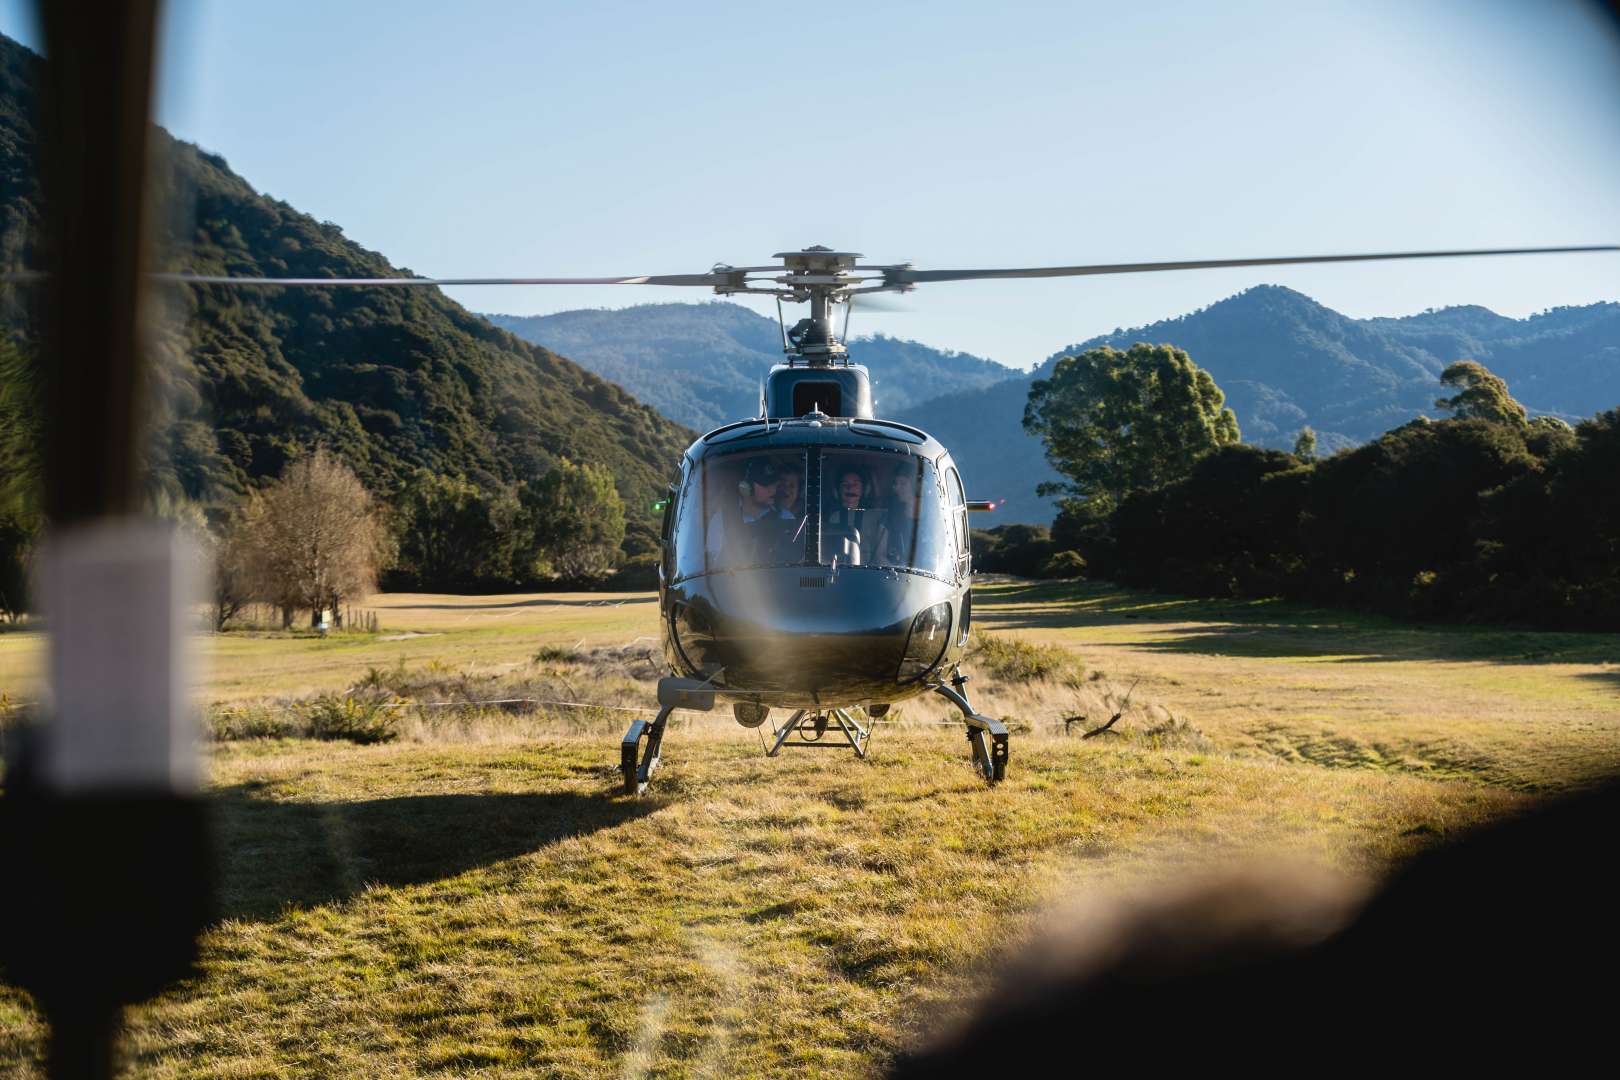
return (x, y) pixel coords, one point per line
(483, 138)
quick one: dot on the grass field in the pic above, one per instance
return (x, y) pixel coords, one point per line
(472, 899)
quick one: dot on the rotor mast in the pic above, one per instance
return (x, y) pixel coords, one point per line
(823, 277)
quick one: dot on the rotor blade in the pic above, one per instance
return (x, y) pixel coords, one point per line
(878, 302)
(915, 277)
(381, 282)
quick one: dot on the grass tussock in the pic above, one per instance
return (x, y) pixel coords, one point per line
(1015, 660)
(558, 690)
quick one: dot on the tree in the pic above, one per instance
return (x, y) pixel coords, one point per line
(576, 518)
(453, 533)
(1480, 395)
(21, 433)
(1305, 444)
(314, 538)
(229, 549)
(1117, 423)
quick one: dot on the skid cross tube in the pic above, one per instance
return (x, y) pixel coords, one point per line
(987, 736)
(854, 735)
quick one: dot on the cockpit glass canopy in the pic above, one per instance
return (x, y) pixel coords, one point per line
(815, 507)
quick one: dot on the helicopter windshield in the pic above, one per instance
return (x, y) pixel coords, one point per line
(761, 508)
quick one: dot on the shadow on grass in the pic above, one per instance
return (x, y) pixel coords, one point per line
(275, 855)
(538, 602)
(1274, 628)
(1611, 676)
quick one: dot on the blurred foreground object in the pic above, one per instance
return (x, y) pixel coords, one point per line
(103, 842)
(1479, 952)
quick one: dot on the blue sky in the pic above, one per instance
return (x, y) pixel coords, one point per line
(605, 138)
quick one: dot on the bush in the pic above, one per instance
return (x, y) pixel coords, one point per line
(359, 718)
(1065, 564)
(1013, 659)
(636, 573)
(225, 723)
(1012, 549)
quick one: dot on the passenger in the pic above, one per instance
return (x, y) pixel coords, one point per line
(753, 532)
(908, 522)
(848, 520)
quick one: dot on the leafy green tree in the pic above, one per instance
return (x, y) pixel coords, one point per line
(1305, 444)
(1480, 395)
(453, 533)
(1231, 527)
(1117, 423)
(576, 518)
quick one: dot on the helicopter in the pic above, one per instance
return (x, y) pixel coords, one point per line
(815, 558)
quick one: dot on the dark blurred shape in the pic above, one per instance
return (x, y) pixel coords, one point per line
(106, 869)
(1476, 953)
(96, 94)
(104, 899)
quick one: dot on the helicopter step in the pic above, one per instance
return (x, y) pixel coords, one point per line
(811, 727)
(637, 765)
(987, 736)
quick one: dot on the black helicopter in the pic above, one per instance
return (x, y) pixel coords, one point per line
(816, 558)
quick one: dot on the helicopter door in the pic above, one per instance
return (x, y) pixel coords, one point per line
(958, 501)
(666, 562)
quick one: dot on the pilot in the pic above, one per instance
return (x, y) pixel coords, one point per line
(849, 516)
(754, 531)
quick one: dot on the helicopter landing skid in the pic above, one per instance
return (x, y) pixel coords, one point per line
(673, 693)
(810, 729)
(986, 736)
(637, 774)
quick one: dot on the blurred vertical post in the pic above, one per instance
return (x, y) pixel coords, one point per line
(102, 831)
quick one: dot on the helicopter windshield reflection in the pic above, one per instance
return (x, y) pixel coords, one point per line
(875, 509)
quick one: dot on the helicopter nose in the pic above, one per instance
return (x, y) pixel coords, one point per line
(781, 630)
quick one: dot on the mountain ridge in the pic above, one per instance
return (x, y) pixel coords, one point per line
(1286, 361)
(701, 363)
(392, 380)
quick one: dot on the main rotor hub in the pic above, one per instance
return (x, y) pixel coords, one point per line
(818, 260)
(821, 276)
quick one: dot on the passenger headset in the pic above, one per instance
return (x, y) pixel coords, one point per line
(746, 484)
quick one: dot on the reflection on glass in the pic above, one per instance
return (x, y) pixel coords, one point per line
(759, 509)
(742, 510)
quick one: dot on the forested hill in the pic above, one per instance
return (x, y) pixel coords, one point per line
(391, 380)
(1286, 361)
(701, 364)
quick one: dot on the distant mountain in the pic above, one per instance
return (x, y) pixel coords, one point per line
(1286, 361)
(701, 364)
(390, 379)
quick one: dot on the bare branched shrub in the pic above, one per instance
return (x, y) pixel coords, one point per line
(229, 552)
(312, 538)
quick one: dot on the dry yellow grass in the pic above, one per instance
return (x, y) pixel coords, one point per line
(472, 899)
(419, 908)
(1525, 709)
